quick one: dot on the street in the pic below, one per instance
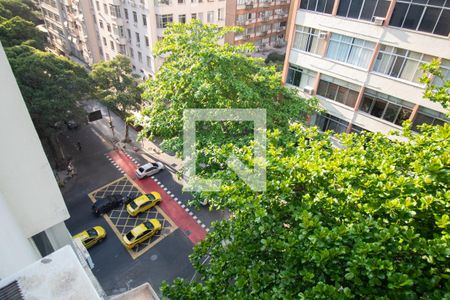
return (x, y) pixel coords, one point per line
(97, 165)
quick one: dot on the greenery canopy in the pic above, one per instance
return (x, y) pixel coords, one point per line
(198, 72)
(370, 220)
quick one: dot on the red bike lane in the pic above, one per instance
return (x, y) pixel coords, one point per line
(170, 207)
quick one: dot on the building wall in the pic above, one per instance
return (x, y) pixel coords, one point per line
(264, 22)
(27, 184)
(320, 61)
(121, 36)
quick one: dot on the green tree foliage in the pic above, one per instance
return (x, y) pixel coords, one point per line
(198, 72)
(116, 85)
(19, 8)
(51, 85)
(367, 221)
(16, 31)
(437, 87)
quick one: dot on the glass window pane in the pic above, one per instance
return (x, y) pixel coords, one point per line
(421, 119)
(366, 104)
(413, 17)
(399, 14)
(391, 112)
(304, 4)
(332, 90)
(443, 26)
(351, 98)
(329, 6)
(429, 19)
(409, 69)
(382, 8)
(378, 108)
(355, 8)
(403, 116)
(343, 8)
(396, 67)
(312, 4)
(367, 11)
(322, 89)
(320, 5)
(342, 94)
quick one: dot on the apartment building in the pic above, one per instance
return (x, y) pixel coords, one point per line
(362, 60)
(71, 28)
(264, 22)
(132, 27)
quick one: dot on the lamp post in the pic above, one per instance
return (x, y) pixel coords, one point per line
(111, 125)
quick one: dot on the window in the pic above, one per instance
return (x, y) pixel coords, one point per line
(322, 6)
(115, 11)
(328, 122)
(98, 5)
(220, 14)
(350, 50)
(428, 116)
(180, 1)
(357, 129)
(147, 43)
(125, 12)
(163, 20)
(138, 38)
(338, 90)
(300, 77)
(139, 56)
(135, 19)
(307, 39)
(193, 16)
(210, 16)
(400, 63)
(423, 15)
(131, 53)
(144, 20)
(112, 45)
(200, 16)
(385, 107)
(121, 32)
(149, 62)
(129, 34)
(182, 19)
(122, 49)
(109, 27)
(100, 22)
(363, 9)
(105, 8)
(104, 42)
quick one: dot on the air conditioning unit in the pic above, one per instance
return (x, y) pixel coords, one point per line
(379, 21)
(308, 90)
(323, 35)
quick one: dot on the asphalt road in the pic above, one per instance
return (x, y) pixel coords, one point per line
(114, 267)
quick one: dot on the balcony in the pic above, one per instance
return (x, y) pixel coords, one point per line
(249, 5)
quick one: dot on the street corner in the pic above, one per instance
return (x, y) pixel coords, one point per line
(120, 220)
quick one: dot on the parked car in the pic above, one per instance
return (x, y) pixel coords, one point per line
(149, 169)
(91, 236)
(108, 203)
(72, 124)
(143, 203)
(141, 233)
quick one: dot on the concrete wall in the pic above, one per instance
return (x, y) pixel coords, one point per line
(26, 179)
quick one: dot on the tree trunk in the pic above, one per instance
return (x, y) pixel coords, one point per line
(127, 138)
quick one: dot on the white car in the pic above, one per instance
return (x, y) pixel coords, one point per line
(149, 169)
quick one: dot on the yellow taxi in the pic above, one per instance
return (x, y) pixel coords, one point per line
(141, 233)
(91, 236)
(143, 203)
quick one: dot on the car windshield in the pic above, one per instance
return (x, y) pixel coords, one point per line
(151, 197)
(148, 224)
(92, 232)
(133, 204)
(130, 236)
(141, 169)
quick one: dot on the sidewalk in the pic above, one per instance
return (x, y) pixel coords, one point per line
(146, 148)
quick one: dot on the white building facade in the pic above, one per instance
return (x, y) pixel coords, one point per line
(362, 60)
(132, 27)
(32, 209)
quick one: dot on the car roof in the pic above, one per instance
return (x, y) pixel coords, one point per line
(141, 199)
(147, 166)
(138, 229)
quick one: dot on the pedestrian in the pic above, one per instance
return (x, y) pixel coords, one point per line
(79, 146)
